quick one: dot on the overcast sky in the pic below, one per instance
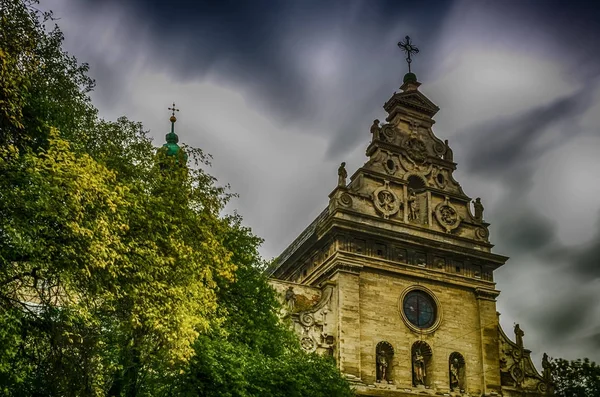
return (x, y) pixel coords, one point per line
(281, 92)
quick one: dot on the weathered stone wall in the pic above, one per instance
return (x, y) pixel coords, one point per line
(459, 330)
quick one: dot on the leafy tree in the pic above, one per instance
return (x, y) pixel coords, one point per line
(118, 276)
(577, 378)
(41, 86)
(254, 353)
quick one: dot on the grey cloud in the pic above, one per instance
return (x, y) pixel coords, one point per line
(583, 260)
(564, 314)
(498, 147)
(525, 230)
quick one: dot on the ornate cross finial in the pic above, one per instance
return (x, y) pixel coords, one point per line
(174, 110)
(409, 49)
(173, 119)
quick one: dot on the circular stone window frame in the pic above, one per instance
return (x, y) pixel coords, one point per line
(439, 311)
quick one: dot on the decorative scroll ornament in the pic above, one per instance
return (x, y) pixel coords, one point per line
(345, 200)
(386, 201)
(447, 215)
(482, 233)
(388, 133)
(307, 319)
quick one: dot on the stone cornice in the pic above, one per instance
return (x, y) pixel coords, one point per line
(355, 263)
(405, 235)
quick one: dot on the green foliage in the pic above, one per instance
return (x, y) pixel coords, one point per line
(41, 86)
(577, 378)
(253, 353)
(118, 275)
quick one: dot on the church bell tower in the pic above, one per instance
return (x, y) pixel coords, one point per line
(394, 278)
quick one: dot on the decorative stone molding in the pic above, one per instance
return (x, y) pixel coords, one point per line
(312, 325)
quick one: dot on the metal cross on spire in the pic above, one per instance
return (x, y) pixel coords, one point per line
(409, 49)
(173, 119)
(173, 109)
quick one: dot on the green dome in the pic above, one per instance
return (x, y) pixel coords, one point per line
(171, 145)
(410, 78)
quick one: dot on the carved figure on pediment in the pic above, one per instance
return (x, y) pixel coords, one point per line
(478, 207)
(375, 130)
(547, 368)
(413, 206)
(519, 334)
(449, 155)
(382, 366)
(342, 175)
(419, 368)
(290, 298)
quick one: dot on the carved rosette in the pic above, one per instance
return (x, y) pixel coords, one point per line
(386, 201)
(309, 344)
(447, 215)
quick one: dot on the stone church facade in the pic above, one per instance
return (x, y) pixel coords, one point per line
(394, 279)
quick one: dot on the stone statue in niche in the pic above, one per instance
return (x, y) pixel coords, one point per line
(382, 366)
(290, 299)
(413, 206)
(375, 130)
(454, 368)
(448, 155)
(342, 175)
(419, 368)
(478, 207)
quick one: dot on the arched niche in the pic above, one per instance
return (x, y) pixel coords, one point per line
(456, 372)
(422, 365)
(384, 353)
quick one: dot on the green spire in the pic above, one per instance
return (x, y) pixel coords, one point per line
(172, 148)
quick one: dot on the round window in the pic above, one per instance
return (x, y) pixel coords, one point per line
(420, 309)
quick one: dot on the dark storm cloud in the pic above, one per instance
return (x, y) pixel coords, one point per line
(582, 261)
(499, 147)
(563, 315)
(525, 230)
(258, 45)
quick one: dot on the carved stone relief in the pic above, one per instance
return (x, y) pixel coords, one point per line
(312, 325)
(517, 371)
(388, 133)
(386, 201)
(447, 215)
